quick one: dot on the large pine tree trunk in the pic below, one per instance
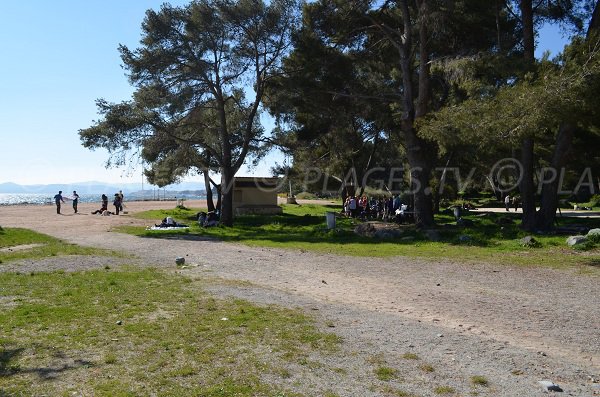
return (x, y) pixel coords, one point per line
(420, 174)
(549, 201)
(210, 205)
(418, 152)
(526, 186)
(226, 196)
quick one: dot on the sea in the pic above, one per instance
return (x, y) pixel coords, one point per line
(44, 198)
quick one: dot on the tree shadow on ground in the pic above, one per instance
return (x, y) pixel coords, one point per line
(10, 367)
(300, 226)
(8, 361)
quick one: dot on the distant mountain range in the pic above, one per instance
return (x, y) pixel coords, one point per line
(94, 187)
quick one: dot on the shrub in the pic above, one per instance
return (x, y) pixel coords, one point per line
(479, 380)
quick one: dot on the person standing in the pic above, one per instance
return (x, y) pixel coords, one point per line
(515, 202)
(507, 202)
(75, 201)
(117, 203)
(122, 197)
(58, 199)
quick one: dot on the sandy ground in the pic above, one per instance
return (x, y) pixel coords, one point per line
(515, 326)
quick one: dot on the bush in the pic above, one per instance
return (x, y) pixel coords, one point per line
(305, 196)
(594, 201)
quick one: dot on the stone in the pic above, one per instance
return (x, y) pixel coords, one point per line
(550, 386)
(464, 222)
(529, 241)
(180, 260)
(504, 221)
(432, 235)
(365, 229)
(576, 240)
(593, 232)
(387, 233)
(464, 238)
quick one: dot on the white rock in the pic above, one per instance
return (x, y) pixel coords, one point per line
(593, 232)
(550, 386)
(575, 240)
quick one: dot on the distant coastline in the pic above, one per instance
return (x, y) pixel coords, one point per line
(148, 195)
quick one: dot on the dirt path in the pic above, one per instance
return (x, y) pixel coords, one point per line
(514, 325)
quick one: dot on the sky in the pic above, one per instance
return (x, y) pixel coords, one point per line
(58, 57)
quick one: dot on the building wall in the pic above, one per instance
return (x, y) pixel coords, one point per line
(246, 193)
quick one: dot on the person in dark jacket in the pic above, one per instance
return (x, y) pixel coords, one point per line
(58, 199)
(104, 205)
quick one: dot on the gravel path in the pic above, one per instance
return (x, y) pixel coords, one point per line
(514, 326)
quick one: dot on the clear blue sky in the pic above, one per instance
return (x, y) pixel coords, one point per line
(58, 57)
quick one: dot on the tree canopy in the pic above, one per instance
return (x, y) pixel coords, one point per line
(199, 75)
(357, 85)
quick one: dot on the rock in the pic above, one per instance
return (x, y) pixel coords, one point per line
(504, 221)
(529, 241)
(550, 386)
(180, 260)
(576, 240)
(365, 229)
(387, 233)
(464, 238)
(593, 232)
(432, 235)
(464, 222)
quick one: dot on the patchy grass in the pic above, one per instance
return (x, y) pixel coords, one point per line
(410, 356)
(390, 391)
(385, 374)
(444, 390)
(479, 380)
(42, 246)
(141, 332)
(303, 227)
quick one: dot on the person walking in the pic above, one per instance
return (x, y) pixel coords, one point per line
(515, 202)
(75, 201)
(507, 202)
(58, 198)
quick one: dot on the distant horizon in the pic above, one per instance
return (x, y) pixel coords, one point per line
(92, 187)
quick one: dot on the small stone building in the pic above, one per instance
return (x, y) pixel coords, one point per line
(255, 195)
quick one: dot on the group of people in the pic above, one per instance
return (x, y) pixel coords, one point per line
(117, 202)
(59, 199)
(207, 219)
(384, 208)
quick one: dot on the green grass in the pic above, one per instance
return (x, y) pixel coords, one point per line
(410, 356)
(443, 390)
(303, 227)
(479, 380)
(45, 246)
(386, 373)
(141, 332)
(426, 368)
